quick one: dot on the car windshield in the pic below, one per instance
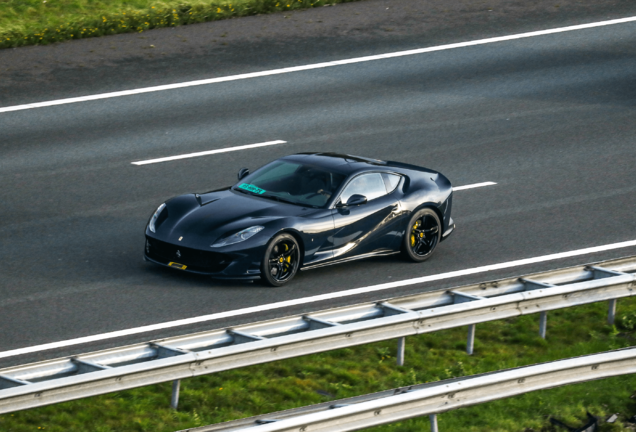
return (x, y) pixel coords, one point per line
(292, 182)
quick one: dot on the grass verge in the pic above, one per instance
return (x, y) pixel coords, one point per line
(41, 22)
(370, 368)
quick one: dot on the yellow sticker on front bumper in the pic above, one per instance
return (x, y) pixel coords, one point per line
(177, 265)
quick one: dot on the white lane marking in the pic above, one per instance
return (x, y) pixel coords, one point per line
(209, 152)
(316, 65)
(474, 185)
(317, 298)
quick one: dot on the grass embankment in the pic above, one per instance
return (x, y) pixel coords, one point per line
(40, 22)
(370, 368)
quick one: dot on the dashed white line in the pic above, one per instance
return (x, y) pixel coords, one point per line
(315, 66)
(474, 185)
(317, 298)
(208, 152)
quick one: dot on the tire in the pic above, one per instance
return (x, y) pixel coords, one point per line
(422, 235)
(280, 261)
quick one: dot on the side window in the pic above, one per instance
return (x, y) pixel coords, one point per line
(390, 181)
(369, 185)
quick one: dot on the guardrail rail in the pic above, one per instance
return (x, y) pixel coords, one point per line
(176, 358)
(434, 398)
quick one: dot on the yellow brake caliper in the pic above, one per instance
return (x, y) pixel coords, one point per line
(413, 233)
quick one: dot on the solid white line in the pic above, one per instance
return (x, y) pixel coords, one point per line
(209, 152)
(472, 186)
(315, 66)
(317, 298)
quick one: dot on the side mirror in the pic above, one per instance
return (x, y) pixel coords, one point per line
(243, 172)
(356, 199)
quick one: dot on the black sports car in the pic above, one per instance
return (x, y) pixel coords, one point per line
(300, 212)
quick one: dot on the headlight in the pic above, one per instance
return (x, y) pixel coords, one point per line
(153, 219)
(239, 236)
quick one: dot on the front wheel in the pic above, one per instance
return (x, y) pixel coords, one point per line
(281, 260)
(422, 235)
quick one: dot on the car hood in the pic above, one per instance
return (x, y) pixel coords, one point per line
(201, 219)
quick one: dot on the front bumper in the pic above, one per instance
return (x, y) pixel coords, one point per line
(236, 265)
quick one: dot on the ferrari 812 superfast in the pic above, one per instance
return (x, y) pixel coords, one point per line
(301, 212)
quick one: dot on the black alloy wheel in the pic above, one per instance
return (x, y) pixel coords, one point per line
(422, 235)
(281, 260)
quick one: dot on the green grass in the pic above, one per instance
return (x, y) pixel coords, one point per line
(39, 22)
(370, 368)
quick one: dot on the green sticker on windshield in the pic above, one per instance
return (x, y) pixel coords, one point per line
(252, 188)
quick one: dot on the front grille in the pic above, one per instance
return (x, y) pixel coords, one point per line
(193, 258)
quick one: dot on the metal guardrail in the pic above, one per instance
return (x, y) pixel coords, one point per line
(54, 381)
(434, 398)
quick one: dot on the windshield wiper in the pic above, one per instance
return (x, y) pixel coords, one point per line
(277, 198)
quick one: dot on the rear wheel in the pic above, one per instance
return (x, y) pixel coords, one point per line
(422, 235)
(281, 260)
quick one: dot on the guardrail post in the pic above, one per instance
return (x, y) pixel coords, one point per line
(174, 400)
(400, 351)
(611, 313)
(433, 419)
(471, 339)
(543, 323)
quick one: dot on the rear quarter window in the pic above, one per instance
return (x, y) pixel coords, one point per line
(391, 181)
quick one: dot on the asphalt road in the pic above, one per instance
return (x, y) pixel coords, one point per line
(551, 119)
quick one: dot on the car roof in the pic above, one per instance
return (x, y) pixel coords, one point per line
(336, 162)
